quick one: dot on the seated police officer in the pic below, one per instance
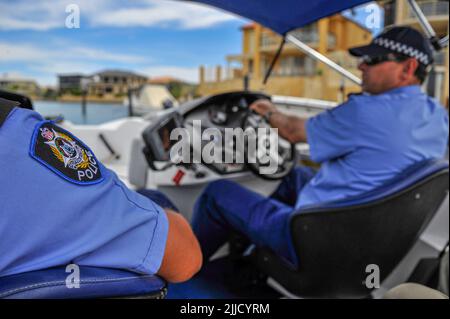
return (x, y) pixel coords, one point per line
(60, 205)
(360, 145)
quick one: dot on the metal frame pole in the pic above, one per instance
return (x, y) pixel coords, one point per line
(320, 57)
(426, 26)
(444, 41)
(130, 101)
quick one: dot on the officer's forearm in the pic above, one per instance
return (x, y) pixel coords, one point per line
(292, 128)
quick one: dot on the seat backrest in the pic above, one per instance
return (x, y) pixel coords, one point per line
(25, 102)
(335, 242)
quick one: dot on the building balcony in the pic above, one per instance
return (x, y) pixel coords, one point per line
(271, 43)
(401, 13)
(431, 9)
(436, 13)
(440, 57)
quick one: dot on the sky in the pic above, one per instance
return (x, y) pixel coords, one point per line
(149, 37)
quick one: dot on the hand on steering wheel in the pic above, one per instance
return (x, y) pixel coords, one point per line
(262, 107)
(270, 147)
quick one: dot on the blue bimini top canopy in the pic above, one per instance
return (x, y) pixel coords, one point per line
(283, 16)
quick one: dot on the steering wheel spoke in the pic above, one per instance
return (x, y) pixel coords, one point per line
(271, 149)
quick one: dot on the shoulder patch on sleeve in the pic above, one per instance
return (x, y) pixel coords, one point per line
(64, 154)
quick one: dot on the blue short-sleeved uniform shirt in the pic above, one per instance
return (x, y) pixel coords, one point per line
(368, 140)
(60, 205)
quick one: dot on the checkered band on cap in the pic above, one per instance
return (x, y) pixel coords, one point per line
(403, 49)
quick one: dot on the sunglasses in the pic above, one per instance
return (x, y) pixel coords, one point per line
(374, 60)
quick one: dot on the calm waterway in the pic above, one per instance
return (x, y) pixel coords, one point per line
(96, 112)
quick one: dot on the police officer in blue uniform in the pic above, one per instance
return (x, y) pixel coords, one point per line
(60, 205)
(360, 145)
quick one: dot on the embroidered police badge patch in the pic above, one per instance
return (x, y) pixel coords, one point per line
(64, 154)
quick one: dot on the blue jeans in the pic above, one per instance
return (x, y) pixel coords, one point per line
(226, 207)
(159, 198)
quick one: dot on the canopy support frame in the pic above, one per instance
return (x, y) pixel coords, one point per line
(426, 26)
(322, 58)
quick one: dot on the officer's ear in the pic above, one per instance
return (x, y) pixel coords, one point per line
(409, 68)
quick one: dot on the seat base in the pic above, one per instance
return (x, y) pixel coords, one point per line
(93, 283)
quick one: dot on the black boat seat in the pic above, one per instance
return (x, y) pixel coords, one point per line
(334, 242)
(24, 101)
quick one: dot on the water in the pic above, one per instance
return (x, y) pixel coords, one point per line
(96, 112)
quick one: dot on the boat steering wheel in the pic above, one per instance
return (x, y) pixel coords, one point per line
(274, 157)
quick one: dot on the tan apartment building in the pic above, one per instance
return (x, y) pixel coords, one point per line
(110, 84)
(71, 83)
(399, 13)
(19, 85)
(295, 73)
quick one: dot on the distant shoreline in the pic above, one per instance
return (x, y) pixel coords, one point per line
(79, 100)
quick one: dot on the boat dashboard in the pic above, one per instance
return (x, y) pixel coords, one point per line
(223, 111)
(220, 112)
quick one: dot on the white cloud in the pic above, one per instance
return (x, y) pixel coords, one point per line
(89, 53)
(12, 74)
(165, 13)
(37, 15)
(49, 14)
(23, 52)
(18, 24)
